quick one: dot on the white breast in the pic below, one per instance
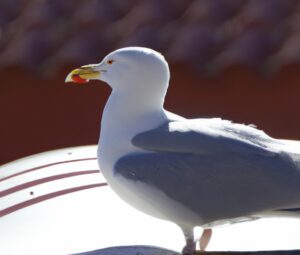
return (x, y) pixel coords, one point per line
(121, 121)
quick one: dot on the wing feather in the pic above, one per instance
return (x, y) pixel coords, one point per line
(206, 136)
(215, 168)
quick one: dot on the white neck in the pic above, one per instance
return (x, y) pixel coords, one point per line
(124, 116)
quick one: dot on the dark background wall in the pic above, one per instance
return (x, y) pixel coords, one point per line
(235, 59)
(43, 114)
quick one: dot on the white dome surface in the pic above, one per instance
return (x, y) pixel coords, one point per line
(58, 203)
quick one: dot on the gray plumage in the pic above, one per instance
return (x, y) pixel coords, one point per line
(215, 168)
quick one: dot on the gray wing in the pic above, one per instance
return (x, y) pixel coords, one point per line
(219, 178)
(206, 136)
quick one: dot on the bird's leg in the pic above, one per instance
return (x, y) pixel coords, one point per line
(190, 246)
(205, 238)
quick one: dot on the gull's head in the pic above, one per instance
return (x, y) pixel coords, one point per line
(127, 68)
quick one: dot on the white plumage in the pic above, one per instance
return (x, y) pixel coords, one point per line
(199, 172)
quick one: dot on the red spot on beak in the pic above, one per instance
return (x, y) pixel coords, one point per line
(76, 78)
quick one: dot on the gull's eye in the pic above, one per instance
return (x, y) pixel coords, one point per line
(110, 62)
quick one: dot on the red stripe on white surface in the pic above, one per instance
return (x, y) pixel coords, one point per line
(44, 180)
(40, 199)
(44, 166)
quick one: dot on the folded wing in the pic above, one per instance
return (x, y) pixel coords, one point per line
(215, 168)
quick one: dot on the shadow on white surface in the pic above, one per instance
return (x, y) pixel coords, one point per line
(66, 208)
(130, 250)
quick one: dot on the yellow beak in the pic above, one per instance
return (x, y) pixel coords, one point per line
(83, 74)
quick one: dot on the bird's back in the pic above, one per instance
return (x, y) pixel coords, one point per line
(215, 168)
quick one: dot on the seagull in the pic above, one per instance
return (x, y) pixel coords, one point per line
(193, 172)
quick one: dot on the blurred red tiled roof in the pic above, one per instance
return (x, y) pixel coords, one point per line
(210, 35)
